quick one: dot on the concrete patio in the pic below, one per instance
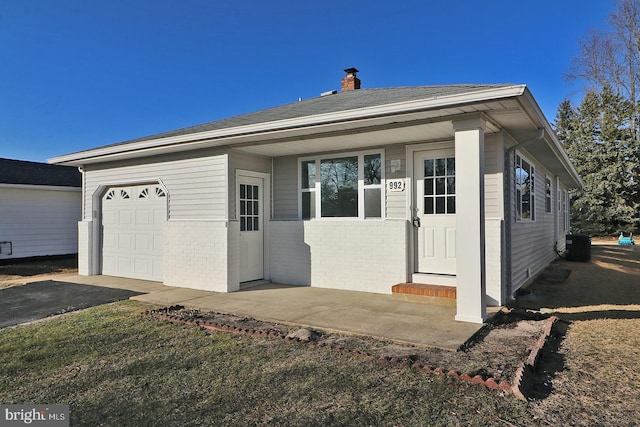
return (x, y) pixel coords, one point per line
(360, 313)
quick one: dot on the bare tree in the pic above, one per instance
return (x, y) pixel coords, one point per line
(612, 58)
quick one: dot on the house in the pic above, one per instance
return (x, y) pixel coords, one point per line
(362, 189)
(40, 206)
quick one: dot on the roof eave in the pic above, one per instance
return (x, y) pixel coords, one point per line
(551, 139)
(228, 136)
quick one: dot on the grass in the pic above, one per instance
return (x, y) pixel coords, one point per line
(600, 378)
(114, 367)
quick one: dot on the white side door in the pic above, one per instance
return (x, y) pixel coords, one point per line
(435, 210)
(251, 216)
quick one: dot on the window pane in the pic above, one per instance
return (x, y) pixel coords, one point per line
(372, 169)
(428, 167)
(243, 211)
(440, 205)
(428, 187)
(532, 207)
(249, 187)
(339, 187)
(525, 205)
(249, 224)
(451, 166)
(440, 185)
(255, 208)
(309, 174)
(372, 208)
(428, 205)
(249, 208)
(242, 226)
(440, 167)
(451, 205)
(308, 205)
(255, 193)
(451, 185)
(255, 224)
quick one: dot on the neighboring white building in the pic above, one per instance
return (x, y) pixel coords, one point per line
(40, 206)
(457, 185)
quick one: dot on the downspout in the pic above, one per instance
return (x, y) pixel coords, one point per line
(509, 215)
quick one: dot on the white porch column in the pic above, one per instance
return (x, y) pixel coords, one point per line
(470, 220)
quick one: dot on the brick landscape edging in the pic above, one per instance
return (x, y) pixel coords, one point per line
(523, 379)
(521, 383)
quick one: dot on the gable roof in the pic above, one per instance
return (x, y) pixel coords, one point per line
(21, 172)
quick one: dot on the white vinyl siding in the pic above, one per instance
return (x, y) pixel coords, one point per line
(285, 188)
(246, 162)
(493, 176)
(39, 222)
(533, 242)
(396, 200)
(196, 186)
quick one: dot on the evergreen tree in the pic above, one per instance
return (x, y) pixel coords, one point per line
(599, 139)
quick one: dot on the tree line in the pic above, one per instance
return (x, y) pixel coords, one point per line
(601, 134)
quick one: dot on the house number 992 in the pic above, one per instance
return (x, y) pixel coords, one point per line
(396, 184)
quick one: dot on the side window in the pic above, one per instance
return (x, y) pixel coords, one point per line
(547, 194)
(525, 190)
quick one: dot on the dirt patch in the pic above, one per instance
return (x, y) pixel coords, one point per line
(497, 351)
(14, 272)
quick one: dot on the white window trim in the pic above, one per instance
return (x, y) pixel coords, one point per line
(549, 196)
(361, 186)
(532, 206)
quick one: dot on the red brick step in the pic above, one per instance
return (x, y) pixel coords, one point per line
(428, 294)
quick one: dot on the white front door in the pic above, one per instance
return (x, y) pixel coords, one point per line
(251, 216)
(435, 210)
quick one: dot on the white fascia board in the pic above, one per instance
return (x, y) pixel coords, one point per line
(288, 124)
(39, 187)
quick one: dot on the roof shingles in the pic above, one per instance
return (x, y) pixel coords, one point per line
(33, 173)
(341, 101)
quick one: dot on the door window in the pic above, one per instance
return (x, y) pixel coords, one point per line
(249, 208)
(439, 186)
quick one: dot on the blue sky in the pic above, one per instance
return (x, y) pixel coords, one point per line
(78, 74)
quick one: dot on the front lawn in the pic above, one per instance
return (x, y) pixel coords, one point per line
(115, 367)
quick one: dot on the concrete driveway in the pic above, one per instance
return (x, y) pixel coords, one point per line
(37, 300)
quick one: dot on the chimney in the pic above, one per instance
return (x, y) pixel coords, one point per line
(350, 81)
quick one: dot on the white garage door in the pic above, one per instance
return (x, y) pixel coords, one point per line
(132, 231)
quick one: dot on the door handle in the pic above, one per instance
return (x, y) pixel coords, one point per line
(416, 222)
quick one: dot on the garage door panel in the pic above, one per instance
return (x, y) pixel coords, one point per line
(158, 242)
(109, 217)
(124, 265)
(133, 221)
(142, 243)
(159, 216)
(125, 217)
(143, 217)
(125, 241)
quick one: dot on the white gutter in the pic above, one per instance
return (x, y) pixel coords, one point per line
(203, 138)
